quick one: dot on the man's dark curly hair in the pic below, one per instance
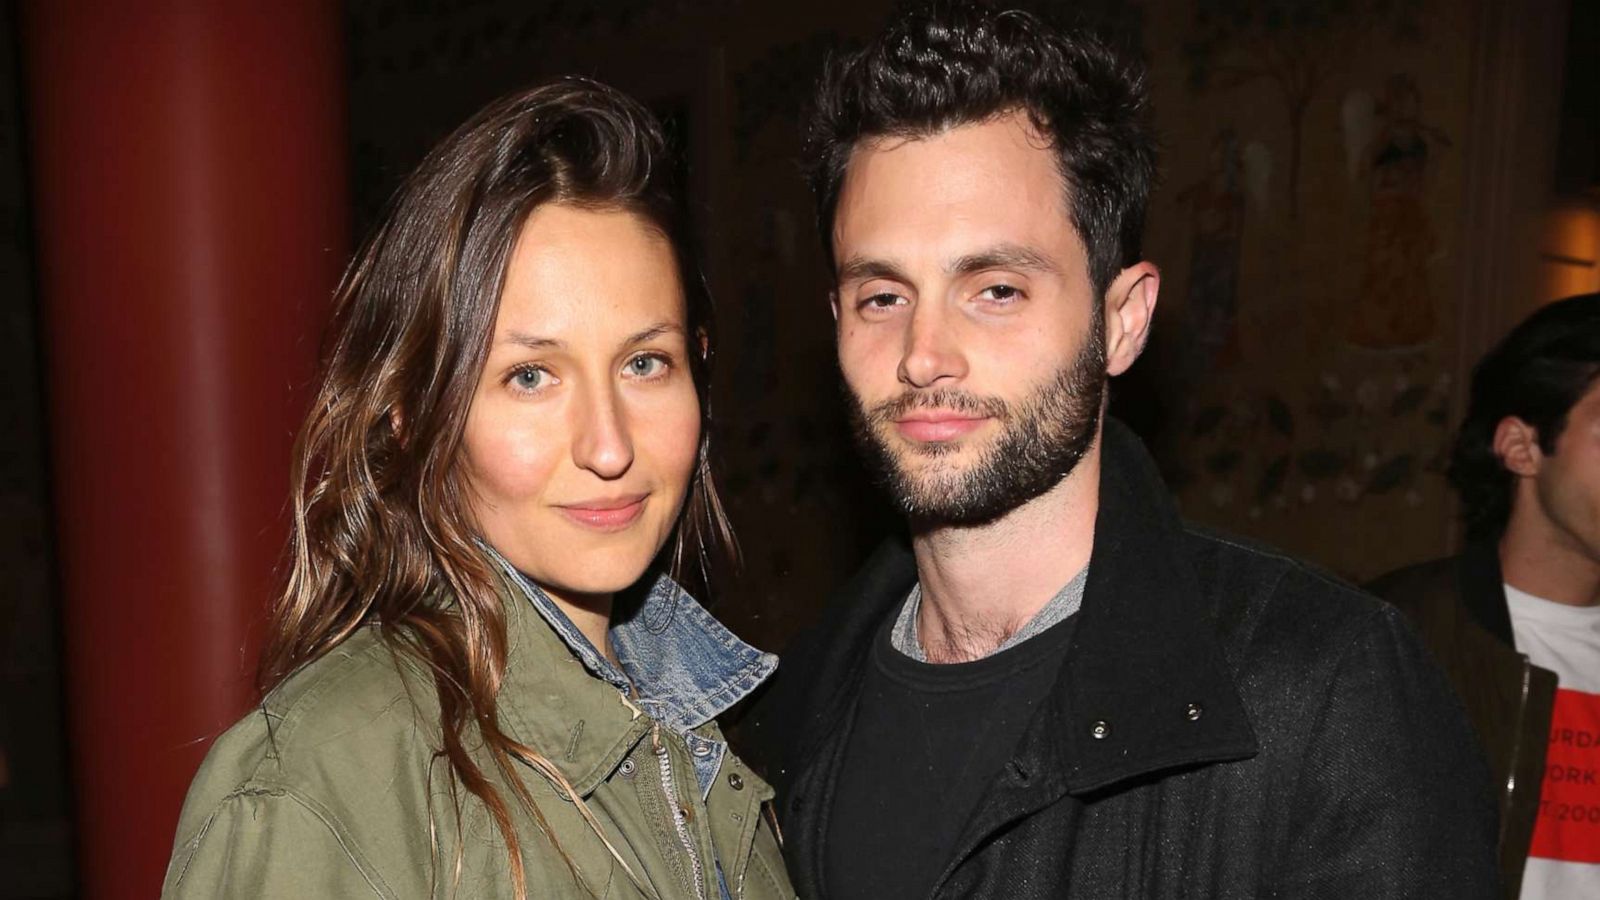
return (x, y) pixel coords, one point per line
(956, 62)
(1537, 373)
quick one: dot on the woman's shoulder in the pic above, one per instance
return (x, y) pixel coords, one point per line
(332, 765)
(361, 712)
(362, 690)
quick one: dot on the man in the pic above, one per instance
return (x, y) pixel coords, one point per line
(1520, 606)
(1054, 688)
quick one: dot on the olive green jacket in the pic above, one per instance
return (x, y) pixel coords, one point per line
(332, 789)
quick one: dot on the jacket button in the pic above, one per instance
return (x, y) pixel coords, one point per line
(627, 768)
(736, 782)
(701, 750)
(1100, 729)
(1194, 712)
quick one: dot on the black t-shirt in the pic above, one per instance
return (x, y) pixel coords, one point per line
(926, 741)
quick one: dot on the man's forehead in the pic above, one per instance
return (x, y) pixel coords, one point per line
(914, 204)
(1007, 140)
(986, 172)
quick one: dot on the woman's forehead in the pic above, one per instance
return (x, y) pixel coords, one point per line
(579, 272)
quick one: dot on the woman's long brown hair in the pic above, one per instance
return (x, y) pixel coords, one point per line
(383, 527)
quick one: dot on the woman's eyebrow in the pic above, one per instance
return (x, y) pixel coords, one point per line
(653, 332)
(536, 342)
(531, 341)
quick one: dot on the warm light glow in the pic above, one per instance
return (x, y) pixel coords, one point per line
(1569, 253)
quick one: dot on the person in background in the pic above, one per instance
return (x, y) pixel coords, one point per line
(1052, 687)
(480, 680)
(1515, 617)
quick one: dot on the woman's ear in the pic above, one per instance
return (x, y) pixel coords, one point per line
(397, 425)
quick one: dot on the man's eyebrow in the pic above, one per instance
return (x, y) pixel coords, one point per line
(861, 268)
(1000, 256)
(1003, 256)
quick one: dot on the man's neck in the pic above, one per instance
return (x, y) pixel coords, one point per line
(1540, 559)
(981, 584)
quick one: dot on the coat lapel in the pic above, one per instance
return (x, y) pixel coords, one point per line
(1145, 687)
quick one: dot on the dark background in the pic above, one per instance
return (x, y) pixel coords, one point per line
(1273, 408)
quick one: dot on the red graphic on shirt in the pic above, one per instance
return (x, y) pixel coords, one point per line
(1568, 827)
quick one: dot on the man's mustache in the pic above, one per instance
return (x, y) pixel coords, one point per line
(941, 398)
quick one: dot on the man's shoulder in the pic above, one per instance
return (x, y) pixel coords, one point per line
(1268, 605)
(1235, 569)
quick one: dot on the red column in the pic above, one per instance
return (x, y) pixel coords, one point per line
(188, 173)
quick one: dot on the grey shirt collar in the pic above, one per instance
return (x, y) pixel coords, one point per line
(905, 638)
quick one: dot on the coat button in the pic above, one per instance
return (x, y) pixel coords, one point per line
(1100, 729)
(701, 750)
(627, 768)
(1194, 712)
(736, 782)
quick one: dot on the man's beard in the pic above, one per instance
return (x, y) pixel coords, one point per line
(1041, 441)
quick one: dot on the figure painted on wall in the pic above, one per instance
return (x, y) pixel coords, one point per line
(1394, 306)
(1216, 217)
(1216, 201)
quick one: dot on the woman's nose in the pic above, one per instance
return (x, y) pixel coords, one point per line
(603, 444)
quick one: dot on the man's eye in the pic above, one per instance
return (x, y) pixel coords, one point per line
(880, 301)
(1000, 292)
(648, 366)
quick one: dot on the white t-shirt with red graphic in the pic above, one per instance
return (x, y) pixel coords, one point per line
(1564, 861)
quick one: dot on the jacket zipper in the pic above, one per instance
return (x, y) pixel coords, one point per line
(1516, 743)
(677, 814)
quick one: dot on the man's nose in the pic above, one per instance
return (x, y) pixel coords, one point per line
(932, 348)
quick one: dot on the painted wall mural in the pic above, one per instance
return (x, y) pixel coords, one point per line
(1308, 234)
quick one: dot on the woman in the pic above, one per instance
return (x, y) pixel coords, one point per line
(478, 682)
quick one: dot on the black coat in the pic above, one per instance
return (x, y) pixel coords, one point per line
(1267, 731)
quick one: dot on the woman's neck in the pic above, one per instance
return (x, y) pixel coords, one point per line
(591, 614)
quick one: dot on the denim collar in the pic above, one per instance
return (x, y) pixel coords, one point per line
(679, 665)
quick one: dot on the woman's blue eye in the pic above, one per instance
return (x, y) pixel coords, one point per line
(646, 366)
(528, 379)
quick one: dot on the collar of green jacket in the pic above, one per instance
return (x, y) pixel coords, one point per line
(680, 666)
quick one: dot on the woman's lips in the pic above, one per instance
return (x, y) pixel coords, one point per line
(608, 514)
(934, 427)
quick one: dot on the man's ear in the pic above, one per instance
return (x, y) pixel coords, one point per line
(1130, 305)
(833, 304)
(1517, 444)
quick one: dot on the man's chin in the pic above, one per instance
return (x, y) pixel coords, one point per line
(907, 453)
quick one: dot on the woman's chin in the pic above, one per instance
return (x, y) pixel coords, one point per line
(595, 574)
